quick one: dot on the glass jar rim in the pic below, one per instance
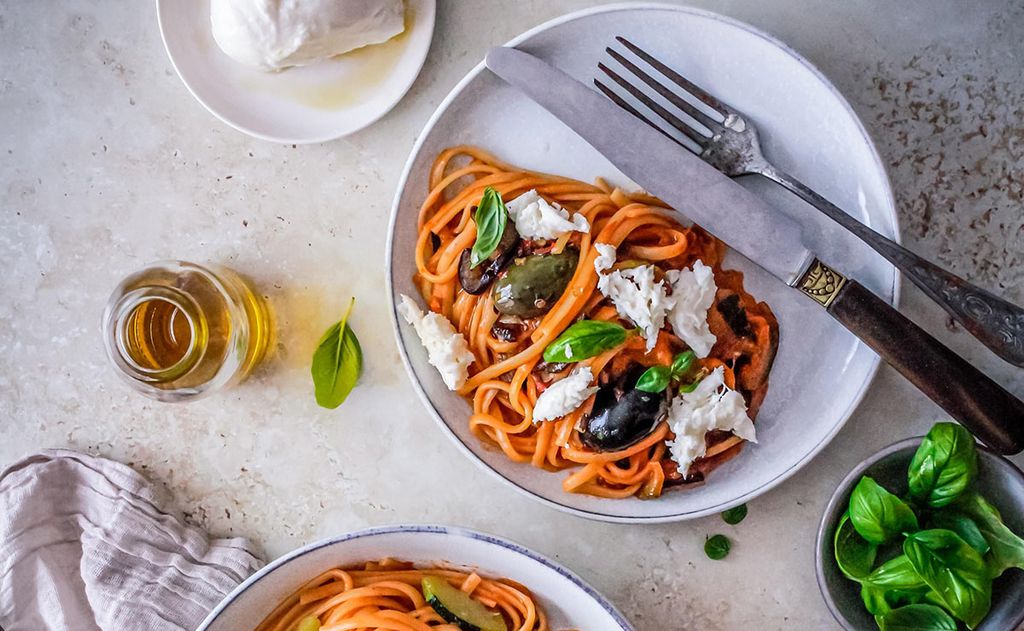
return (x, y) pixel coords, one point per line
(237, 360)
(124, 309)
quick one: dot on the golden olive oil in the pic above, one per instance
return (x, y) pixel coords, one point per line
(157, 334)
(178, 330)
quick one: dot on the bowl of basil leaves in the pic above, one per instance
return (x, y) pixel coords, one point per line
(926, 534)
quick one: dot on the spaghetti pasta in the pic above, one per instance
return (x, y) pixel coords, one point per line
(509, 373)
(387, 595)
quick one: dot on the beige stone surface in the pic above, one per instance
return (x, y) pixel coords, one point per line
(106, 163)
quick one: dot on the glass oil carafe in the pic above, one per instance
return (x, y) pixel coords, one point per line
(177, 331)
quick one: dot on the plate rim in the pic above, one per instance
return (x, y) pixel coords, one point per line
(416, 530)
(421, 59)
(855, 401)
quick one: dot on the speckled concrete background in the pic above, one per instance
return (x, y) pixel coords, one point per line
(107, 163)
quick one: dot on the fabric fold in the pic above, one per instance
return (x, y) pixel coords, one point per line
(85, 545)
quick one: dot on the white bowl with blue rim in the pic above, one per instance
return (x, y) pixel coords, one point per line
(569, 602)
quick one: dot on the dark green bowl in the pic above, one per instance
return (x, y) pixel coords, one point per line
(999, 480)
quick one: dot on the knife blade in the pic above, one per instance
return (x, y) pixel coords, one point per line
(772, 240)
(703, 194)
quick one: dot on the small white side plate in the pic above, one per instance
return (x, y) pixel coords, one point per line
(307, 104)
(568, 601)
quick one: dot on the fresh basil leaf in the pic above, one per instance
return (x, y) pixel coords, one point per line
(892, 584)
(916, 618)
(690, 387)
(337, 363)
(854, 555)
(490, 218)
(878, 515)
(583, 340)
(735, 515)
(717, 547)
(961, 524)
(654, 379)
(932, 598)
(897, 573)
(683, 363)
(879, 601)
(874, 599)
(1007, 549)
(943, 466)
(954, 570)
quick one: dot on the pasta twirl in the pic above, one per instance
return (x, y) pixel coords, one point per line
(387, 595)
(509, 374)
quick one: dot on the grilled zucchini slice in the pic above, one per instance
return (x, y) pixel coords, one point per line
(459, 608)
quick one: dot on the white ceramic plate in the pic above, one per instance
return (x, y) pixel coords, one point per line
(306, 104)
(569, 602)
(821, 371)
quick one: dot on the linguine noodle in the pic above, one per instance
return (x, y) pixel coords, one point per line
(387, 595)
(506, 378)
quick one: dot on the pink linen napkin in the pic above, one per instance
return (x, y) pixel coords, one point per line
(85, 546)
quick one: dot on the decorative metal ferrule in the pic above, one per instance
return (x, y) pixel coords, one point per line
(821, 282)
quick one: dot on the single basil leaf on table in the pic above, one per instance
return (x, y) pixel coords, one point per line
(735, 515)
(1007, 548)
(916, 618)
(963, 525)
(337, 363)
(490, 218)
(585, 339)
(854, 555)
(878, 515)
(954, 570)
(943, 466)
(717, 547)
(654, 379)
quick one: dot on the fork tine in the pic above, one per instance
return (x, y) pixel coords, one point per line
(624, 104)
(679, 79)
(671, 96)
(656, 107)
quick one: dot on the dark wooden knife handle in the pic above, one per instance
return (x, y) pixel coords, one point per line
(981, 405)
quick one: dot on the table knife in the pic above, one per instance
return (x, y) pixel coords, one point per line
(772, 240)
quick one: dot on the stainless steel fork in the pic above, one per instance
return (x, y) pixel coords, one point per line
(733, 148)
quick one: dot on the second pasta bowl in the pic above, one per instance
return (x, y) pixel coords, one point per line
(384, 569)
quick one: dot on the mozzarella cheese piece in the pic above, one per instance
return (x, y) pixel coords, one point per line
(447, 350)
(712, 405)
(693, 292)
(564, 396)
(636, 293)
(275, 34)
(536, 218)
(604, 261)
